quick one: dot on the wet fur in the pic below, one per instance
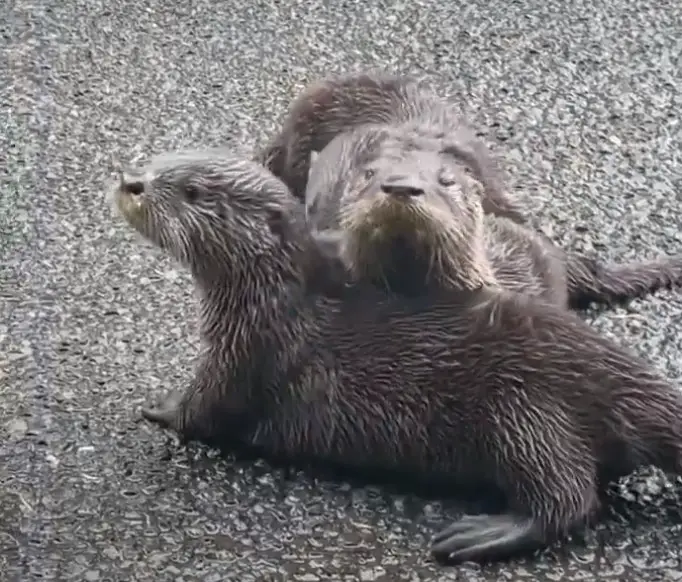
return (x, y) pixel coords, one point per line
(485, 387)
(401, 245)
(334, 105)
(402, 259)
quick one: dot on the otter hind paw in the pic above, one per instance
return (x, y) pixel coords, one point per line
(484, 537)
(166, 413)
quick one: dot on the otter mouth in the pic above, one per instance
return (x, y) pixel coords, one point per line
(130, 205)
(396, 218)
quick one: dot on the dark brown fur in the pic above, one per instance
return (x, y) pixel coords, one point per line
(337, 104)
(485, 388)
(410, 244)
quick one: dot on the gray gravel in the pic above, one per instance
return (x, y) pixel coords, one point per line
(583, 104)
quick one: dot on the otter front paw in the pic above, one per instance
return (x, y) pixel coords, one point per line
(168, 413)
(481, 538)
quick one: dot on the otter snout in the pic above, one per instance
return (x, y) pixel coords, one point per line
(402, 186)
(129, 193)
(134, 186)
(132, 182)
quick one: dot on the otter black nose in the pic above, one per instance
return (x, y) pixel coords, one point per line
(136, 187)
(132, 184)
(401, 186)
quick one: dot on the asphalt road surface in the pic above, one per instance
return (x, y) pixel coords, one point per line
(581, 101)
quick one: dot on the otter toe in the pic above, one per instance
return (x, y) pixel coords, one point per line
(166, 413)
(484, 538)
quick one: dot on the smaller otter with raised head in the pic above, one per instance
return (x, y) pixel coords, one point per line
(411, 218)
(337, 104)
(496, 389)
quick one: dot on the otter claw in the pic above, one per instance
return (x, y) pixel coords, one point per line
(166, 413)
(483, 537)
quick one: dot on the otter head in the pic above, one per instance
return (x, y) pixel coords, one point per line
(408, 208)
(212, 211)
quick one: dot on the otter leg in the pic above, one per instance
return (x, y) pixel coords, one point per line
(187, 414)
(548, 475)
(485, 538)
(476, 537)
(167, 413)
(590, 281)
(194, 413)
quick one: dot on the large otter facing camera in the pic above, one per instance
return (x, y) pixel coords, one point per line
(411, 218)
(496, 388)
(409, 213)
(336, 104)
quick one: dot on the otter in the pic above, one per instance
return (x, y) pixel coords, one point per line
(333, 105)
(411, 216)
(496, 389)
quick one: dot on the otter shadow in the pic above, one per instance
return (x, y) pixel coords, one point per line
(427, 506)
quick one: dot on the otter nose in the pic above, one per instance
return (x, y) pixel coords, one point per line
(132, 183)
(401, 186)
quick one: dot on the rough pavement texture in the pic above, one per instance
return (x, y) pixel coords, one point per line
(583, 102)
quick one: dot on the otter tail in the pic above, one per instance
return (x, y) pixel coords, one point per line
(590, 281)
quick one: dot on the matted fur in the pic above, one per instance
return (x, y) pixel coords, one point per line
(486, 388)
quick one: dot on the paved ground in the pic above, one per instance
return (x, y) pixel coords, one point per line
(584, 104)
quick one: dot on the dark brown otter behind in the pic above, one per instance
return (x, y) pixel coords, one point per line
(435, 237)
(494, 388)
(336, 104)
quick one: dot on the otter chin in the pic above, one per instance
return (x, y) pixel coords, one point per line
(387, 219)
(391, 229)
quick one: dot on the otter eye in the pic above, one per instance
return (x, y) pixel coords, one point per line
(369, 174)
(446, 179)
